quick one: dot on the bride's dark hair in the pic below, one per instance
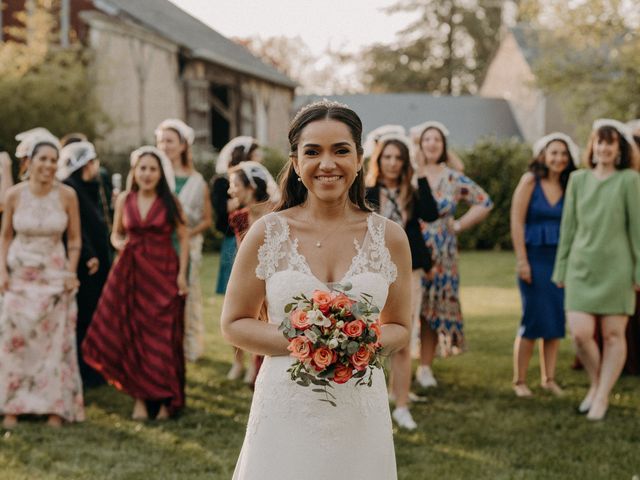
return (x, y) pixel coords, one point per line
(294, 192)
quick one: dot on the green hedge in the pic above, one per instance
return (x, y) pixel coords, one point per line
(497, 167)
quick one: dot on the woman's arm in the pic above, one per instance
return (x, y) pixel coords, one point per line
(6, 178)
(207, 217)
(118, 237)
(518, 216)
(182, 233)
(74, 234)
(395, 317)
(6, 234)
(245, 295)
(568, 228)
(470, 192)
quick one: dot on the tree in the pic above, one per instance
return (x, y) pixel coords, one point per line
(329, 73)
(446, 50)
(44, 85)
(596, 73)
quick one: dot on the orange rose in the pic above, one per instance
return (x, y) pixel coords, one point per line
(300, 348)
(322, 358)
(322, 299)
(360, 359)
(341, 301)
(342, 374)
(354, 329)
(299, 319)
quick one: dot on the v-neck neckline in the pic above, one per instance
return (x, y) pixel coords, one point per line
(293, 243)
(546, 199)
(143, 220)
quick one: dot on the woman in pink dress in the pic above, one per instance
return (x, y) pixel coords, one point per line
(38, 360)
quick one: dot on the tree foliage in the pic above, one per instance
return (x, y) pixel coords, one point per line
(596, 73)
(446, 49)
(43, 85)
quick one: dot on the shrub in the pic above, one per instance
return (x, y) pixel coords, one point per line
(497, 167)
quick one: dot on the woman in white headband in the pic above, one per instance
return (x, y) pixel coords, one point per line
(174, 138)
(79, 168)
(597, 260)
(255, 190)
(39, 373)
(536, 211)
(441, 318)
(136, 337)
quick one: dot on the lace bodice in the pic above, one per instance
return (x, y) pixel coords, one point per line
(40, 216)
(287, 273)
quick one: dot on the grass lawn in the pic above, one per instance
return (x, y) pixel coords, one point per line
(472, 426)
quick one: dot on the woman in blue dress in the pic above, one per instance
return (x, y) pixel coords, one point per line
(536, 211)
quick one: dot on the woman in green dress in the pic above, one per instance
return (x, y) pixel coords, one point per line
(597, 256)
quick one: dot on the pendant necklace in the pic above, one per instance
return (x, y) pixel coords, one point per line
(319, 242)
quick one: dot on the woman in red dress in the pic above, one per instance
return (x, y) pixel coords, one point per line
(136, 336)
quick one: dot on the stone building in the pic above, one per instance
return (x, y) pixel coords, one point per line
(151, 60)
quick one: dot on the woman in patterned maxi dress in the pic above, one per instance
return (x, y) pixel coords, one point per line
(441, 316)
(38, 361)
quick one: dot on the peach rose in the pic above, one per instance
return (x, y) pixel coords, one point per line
(360, 359)
(322, 299)
(300, 348)
(322, 358)
(342, 374)
(341, 301)
(376, 329)
(299, 319)
(354, 329)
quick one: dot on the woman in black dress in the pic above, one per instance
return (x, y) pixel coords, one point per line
(79, 168)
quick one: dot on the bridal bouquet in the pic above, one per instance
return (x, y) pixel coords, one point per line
(333, 338)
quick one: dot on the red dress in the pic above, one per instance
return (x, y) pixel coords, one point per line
(136, 335)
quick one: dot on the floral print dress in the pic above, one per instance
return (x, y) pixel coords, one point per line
(441, 301)
(38, 358)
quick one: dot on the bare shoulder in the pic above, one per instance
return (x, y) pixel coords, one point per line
(528, 179)
(395, 237)
(67, 193)
(122, 196)
(14, 191)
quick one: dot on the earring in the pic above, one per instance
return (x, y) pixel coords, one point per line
(299, 179)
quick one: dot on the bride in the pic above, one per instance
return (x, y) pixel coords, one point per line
(321, 235)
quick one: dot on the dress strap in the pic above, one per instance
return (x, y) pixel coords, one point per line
(271, 252)
(374, 255)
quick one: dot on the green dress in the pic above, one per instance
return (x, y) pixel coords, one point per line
(599, 247)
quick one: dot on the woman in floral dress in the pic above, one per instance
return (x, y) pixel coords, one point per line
(38, 360)
(441, 317)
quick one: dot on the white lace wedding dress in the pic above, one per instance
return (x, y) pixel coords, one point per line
(291, 434)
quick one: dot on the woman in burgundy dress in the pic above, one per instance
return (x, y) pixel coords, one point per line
(136, 336)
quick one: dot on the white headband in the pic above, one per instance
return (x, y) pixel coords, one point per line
(24, 148)
(394, 136)
(542, 143)
(374, 136)
(418, 130)
(73, 157)
(634, 125)
(187, 134)
(224, 158)
(36, 139)
(622, 129)
(253, 170)
(165, 163)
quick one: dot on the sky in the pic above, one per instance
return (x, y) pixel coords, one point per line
(347, 25)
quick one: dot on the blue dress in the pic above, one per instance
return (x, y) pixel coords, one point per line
(542, 301)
